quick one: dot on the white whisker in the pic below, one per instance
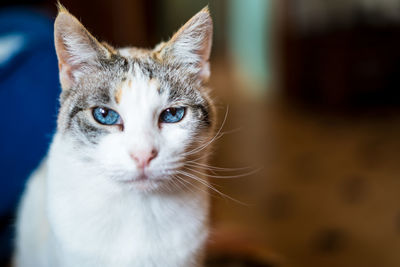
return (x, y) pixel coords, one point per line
(216, 136)
(224, 176)
(209, 167)
(198, 179)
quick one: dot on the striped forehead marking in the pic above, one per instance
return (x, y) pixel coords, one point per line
(152, 84)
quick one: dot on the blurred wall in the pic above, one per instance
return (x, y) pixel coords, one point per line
(341, 53)
(249, 39)
(316, 14)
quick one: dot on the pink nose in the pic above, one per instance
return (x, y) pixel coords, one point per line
(143, 158)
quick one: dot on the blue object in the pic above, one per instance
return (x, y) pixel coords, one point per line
(172, 115)
(106, 116)
(29, 89)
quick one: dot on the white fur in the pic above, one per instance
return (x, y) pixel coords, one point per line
(78, 213)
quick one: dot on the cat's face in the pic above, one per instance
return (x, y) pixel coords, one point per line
(135, 116)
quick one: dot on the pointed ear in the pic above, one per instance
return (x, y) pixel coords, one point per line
(77, 50)
(191, 45)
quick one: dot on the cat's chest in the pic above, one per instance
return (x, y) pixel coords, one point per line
(124, 230)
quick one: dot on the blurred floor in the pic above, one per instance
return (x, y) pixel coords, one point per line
(328, 192)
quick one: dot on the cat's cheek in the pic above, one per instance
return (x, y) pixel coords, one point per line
(112, 152)
(176, 138)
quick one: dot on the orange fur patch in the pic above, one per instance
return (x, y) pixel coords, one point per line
(157, 56)
(118, 95)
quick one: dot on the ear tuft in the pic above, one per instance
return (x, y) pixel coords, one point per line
(61, 8)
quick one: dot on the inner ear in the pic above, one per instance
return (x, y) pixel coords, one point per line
(191, 45)
(77, 50)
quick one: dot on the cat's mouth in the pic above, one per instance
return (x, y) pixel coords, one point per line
(143, 184)
(143, 180)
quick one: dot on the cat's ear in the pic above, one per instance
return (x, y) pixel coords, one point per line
(191, 45)
(77, 50)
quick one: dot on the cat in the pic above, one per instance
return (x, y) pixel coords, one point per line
(114, 189)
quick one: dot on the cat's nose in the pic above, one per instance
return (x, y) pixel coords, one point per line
(144, 157)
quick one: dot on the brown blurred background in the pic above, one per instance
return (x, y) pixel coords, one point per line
(313, 93)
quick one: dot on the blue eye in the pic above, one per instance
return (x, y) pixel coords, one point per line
(106, 116)
(171, 115)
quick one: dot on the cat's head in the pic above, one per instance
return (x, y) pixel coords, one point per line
(135, 115)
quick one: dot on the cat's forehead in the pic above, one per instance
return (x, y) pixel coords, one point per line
(138, 85)
(136, 73)
(147, 72)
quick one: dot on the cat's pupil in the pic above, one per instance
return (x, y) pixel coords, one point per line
(104, 112)
(172, 111)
